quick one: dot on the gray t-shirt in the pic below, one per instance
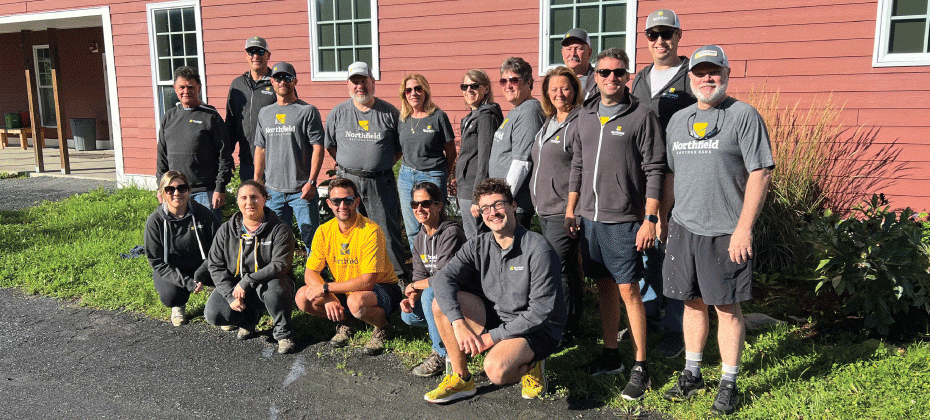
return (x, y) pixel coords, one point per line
(424, 141)
(551, 128)
(514, 138)
(608, 110)
(364, 141)
(287, 134)
(659, 78)
(711, 174)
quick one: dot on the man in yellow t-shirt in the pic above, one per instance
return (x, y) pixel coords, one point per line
(364, 284)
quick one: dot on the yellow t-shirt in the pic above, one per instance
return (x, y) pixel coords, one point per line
(361, 250)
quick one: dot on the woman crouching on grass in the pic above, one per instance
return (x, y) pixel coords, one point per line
(250, 263)
(435, 244)
(177, 240)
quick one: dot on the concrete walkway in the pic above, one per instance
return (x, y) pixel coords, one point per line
(98, 164)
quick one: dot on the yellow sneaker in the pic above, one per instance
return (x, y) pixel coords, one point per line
(534, 382)
(452, 388)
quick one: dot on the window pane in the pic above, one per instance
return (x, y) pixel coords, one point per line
(614, 18)
(364, 54)
(588, 18)
(346, 57)
(190, 24)
(47, 97)
(555, 51)
(907, 36)
(586, 1)
(161, 21)
(175, 63)
(168, 98)
(554, 2)
(363, 33)
(343, 9)
(164, 70)
(344, 33)
(177, 45)
(162, 47)
(613, 41)
(909, 7)
(190, 44)
(595, 46)
(324, 10)
(175, 23)
(362, 9)
(192, 62)
(327, 35)
(328, 60)
(561, 21)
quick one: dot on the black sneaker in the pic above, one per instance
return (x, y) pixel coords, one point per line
(638, 384)
(671, 345)
(727, 399)
(685, 388)
(605, 365)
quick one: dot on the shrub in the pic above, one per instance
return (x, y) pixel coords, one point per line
(875, 259)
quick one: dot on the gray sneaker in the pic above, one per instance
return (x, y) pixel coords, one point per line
(433, 365)
(227, 327)
(344, 333)
(727, 399)
(285, 346)
(245, 333)
(178, 316)
(379, 336)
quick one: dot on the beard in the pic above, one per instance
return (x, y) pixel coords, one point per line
(719, 93)
(362, 99)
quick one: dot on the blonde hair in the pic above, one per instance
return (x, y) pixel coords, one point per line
(547, 106)
(428, 106)
(168, 177)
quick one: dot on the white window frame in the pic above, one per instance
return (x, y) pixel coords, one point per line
(880, 56)
(42, 111)
(544, 12)
(201, 69)
(317, 74)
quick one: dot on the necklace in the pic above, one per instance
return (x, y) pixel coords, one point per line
(414, 128)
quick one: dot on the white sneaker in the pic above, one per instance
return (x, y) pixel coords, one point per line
(177, 316)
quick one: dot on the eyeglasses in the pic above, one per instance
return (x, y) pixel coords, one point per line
(473, 86)
(417, 89)
(654, 35)
(707, 134)
(256, 51)
(425, 203)
(497, 205)
(512, 80)
(181, 189)
(286, 78)
(348, 200)
(606, 72)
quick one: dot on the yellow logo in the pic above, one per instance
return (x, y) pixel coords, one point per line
(604, 120)
(363, 124)
(505, 122)
(344, 249)
(619, 128)
(672, 90)
(274, 69)
(429, 127)
(280, 118)
(661, 13)
(423, 258)
(700, 129)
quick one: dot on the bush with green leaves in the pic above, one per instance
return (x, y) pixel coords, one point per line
(875, 259)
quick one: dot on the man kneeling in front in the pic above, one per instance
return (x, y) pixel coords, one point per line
(501, 293)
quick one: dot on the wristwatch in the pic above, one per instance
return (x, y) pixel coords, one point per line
(652, 218)
(312, 182)
(325, 288)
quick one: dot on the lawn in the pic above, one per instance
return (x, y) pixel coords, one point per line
(70, 250)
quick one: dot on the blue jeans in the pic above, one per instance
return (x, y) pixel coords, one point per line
(307, 212)
(407, 178)
(205, 198)
(651, 289)
(424, 318)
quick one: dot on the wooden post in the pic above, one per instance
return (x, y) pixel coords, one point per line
(36, 124)
(59, 115)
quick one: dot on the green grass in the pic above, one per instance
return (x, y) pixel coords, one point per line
(69, 250)
(13, 175)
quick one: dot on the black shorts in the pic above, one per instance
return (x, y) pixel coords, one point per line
(700, 267)
(389, 297)
(609, 250)
(540, 343)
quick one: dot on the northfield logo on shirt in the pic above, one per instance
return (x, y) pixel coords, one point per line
(363, 124)
(280, 129)
(195, 121)
(344, 249)
(556, 140)
(696, 147)
(499, 135)
(267, 91)
(618, 132)
(429, 129)
(517, 268)
(280, 118)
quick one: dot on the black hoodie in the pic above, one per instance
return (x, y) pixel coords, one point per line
(478, 129)
(177, 249)
(194, 142)
(246, 98)
(250, 260)
(432, 252)
(674, 96)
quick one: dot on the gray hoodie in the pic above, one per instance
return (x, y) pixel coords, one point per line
(431, 253)
(177, 248)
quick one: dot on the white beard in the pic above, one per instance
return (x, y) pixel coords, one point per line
(714, 98)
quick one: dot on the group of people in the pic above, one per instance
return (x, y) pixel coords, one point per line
(594, 160)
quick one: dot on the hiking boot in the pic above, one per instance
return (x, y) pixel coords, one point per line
(245, 333)
(671, 345)
(285, 346)
(379, 336)
(727, 399)
(177, 316)
(534, 382)
(433, 365)
(344, 333)
(452, 388)
(604, 364)
(227, 327)
(685, 388)
(637, 385)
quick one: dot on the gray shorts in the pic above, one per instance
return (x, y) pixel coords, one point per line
(609, 250)
(389, 297)
(699, 267)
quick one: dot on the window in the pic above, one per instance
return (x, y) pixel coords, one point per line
(175, 41)
(43, 60)
(609, 24)
(341, 33)
(902, 33)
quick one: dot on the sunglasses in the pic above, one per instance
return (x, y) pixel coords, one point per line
(497, 205)
(654, 35)
(181, 189)
(348, 200)
(417, 89)
(256, 51)
(286, 78)
(425, 203)
(606, 72)
(512, 80)
(473, 86)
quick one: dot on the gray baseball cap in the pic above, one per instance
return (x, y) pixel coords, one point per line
(283, 67)
(663, 17)
(577, 33)
(256, 41)
(359, 68)
(709, 54)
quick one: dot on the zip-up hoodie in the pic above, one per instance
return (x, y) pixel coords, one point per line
(431, 253)
(194, 142)
(551, 162)
(246, 98)
(177, 248)
(478, 129)
(246, 260)
(617, 164)
(674, 96)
